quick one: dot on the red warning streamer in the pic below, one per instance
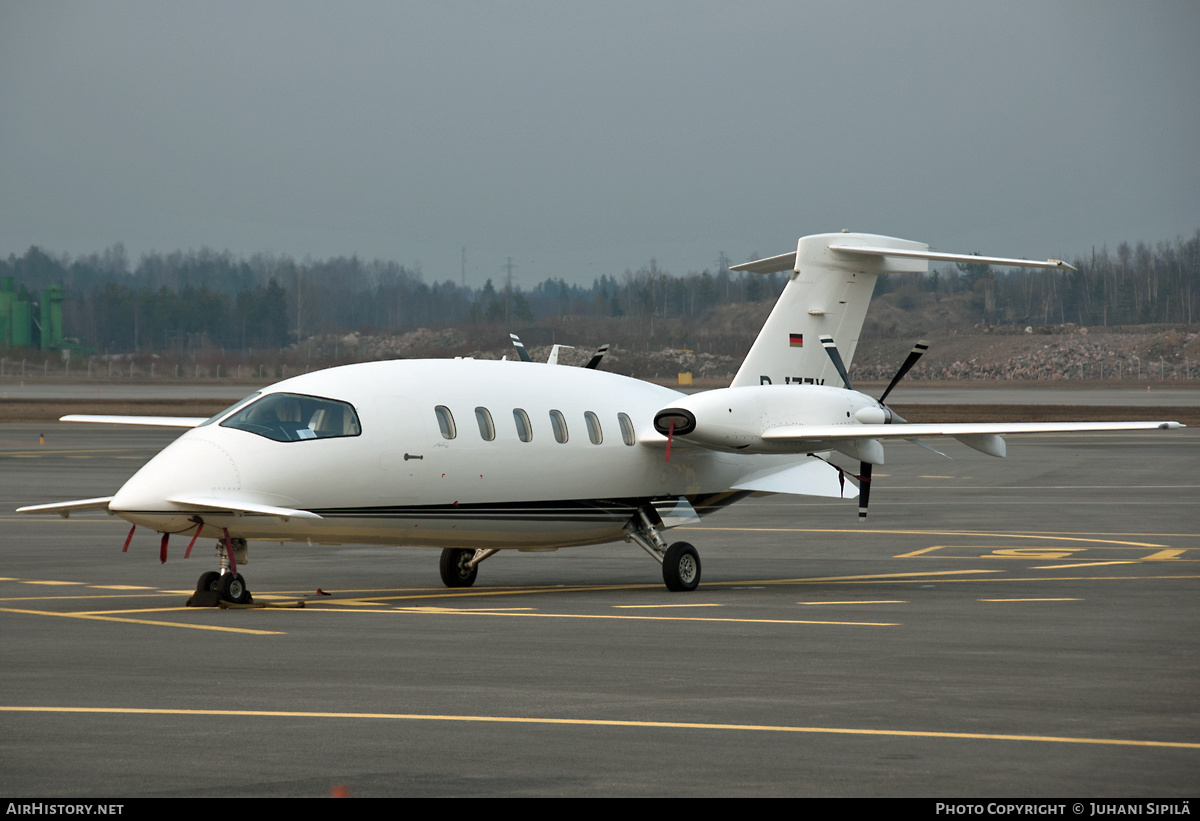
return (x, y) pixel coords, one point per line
(199, 530)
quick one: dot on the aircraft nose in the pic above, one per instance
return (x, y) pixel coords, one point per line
(188, 466)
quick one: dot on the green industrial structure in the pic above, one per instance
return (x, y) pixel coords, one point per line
(18, 327)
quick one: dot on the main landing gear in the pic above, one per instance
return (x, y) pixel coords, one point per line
(226, 585)
(459, 566)
(680, 561)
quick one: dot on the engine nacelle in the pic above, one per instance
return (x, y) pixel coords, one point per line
(735, 418)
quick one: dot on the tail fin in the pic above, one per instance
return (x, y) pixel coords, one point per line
(828, 294)
(833, 276)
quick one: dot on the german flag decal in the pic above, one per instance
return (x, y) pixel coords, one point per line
(796, 340)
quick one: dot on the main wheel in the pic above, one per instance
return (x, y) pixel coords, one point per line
(208, 581)
(232, 588)
(455, 570)
(681, 567)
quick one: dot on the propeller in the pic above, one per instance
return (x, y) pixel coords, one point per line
(520, 346)
(916, 353)
(594, 362)
(836, 358)
(864, 475)
(864, 488)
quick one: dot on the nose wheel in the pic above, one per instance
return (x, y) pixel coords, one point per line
(212, 588)
(232, 588)
(227, 585)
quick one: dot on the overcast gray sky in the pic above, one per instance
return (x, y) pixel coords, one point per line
(583, 138)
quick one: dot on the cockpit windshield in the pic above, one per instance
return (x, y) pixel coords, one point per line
(243, 401)
(292, 417)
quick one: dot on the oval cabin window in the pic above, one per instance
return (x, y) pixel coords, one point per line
(593, 426)
(486, 429)
(627, 434)
(445, 421)
(559, 423)
(524, 428)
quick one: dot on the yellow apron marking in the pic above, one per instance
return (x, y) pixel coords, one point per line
(1163, 555)
(1008, 600)
(1028, 552)
(93, 617)
(645, 606)
(929, 533)
(598, 722)
(445, 611)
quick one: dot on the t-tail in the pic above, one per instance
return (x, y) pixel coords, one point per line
(832, 278)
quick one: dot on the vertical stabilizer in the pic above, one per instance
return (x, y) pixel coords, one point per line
(828, 294)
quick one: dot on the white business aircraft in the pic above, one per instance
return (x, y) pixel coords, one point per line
(480, 456)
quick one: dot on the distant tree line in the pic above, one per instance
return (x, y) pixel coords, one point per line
(1136, 285)
(182, 302)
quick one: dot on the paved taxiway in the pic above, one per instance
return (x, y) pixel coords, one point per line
(1018, 627)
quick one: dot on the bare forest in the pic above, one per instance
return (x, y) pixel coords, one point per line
(190, 309)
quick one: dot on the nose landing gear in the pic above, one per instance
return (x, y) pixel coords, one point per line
(226, 585)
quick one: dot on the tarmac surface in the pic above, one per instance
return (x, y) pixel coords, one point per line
(1021, 627)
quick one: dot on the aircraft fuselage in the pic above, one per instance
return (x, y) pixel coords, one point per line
(401, 480)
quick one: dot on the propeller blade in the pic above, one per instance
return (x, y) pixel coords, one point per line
(520, 346)
(916, 353)
(836, 358)
(864, 489)
(594, 362)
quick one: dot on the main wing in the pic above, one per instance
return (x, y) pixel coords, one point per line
(983, 436)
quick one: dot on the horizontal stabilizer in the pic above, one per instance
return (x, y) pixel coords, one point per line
(770, 265)
(787, 262)
(812, 478)
(240, 507)
(65, 509)
(155, 421)
(937, 256)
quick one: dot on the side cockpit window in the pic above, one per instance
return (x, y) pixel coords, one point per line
(293, 417)
(234, 406)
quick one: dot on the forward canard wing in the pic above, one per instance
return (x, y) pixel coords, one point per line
(153, 421)
(65, 509)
